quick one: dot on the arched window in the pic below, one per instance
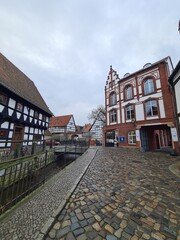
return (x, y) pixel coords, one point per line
(112, 99)
(113, 116)
(151, 108)
(148, 86)
(128, 92)
(129, 112)
(132, 137)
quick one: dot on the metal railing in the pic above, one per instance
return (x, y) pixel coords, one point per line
(19, 149)
(17, 181)
(20, 176)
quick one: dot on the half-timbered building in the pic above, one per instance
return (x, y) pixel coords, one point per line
(24, 115)
(174, 80)
(96, 130)
(139, 108)
(62, 125)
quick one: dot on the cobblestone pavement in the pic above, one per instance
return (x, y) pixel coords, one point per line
(27, 219)
(124, 195)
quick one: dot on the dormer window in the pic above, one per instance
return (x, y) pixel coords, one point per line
(148, 86)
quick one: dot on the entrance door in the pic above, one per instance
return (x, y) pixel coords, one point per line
(144, 139)
(17, 137)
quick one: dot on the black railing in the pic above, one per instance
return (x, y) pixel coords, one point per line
(17, 181)
(20, 176)
(18, 149)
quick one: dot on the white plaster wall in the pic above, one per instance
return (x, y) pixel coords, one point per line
(158, 83)
(177, 92)
(133, 101)
(154, 117)
(155, 95)
(161, 107)
(2, 144)
(121, 95)
(1, 108)
(139, 112)
(12, 103)
(108, 118)
(25, 110)
(118, 115)
(5, 125)
(18, 115)
(12, 126)
(10, 112)
(30, 137)
(31, 130)
(123, 118)
(107, 102)
(25, 117)
(25, 136)
(32, 112)
(10, 134)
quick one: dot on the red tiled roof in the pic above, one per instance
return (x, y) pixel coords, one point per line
(17, 82)
(60, 121)
(87, 128)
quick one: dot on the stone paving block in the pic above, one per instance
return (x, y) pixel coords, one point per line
(62, 232)
(118, 198)
(78, 232)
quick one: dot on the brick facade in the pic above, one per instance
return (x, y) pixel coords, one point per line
(139, 108)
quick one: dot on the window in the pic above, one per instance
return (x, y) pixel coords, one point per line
(132, 137)
(37, 137)
(129, 112)
(128, 93)
(148, 86)
(3, 98)
(36, 114)
(112, 99)
(3, 133)
(151, 108)
(19, 107)
(113, 116)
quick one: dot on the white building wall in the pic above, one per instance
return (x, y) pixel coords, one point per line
(177, 92)
(139, 109)
(12, 103)
(158, 83)
(161, 108)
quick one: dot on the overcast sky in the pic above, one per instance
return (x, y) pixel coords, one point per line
(66, 47)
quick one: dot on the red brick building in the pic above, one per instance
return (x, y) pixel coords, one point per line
(139, 108)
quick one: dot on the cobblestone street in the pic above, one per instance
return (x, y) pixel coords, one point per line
(124, 195)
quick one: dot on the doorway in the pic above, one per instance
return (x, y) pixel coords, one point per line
(17, 137)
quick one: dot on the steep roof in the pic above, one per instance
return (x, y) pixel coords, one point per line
(87, 127)
(60, 121)
(17, 82)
